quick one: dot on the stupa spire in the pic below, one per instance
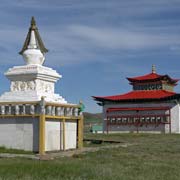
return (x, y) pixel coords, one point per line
(153, 69)
(40, 44)
(33, 22)
(33, 49)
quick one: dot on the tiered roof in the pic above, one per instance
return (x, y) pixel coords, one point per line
(152, 77)
(144, 95)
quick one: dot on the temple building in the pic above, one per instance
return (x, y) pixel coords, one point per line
(151, 106)
(32, 116)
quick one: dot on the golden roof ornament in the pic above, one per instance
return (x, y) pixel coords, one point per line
(33, 23)
(153, 69)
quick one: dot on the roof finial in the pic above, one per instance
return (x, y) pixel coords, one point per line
(33, 34)
(153, 69)
(33, 22)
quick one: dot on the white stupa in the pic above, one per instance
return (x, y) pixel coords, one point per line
(33, 80)
(32, 116)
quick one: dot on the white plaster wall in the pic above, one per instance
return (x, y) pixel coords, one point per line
(19, 133)
(52, 135)
(167, 128)
(175, 119)
(70, 134)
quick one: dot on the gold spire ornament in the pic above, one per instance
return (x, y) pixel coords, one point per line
(39, 42)
(33, 23)
(153, 69)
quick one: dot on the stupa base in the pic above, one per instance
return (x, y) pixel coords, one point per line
(31, 96)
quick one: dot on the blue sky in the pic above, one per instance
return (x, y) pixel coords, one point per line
(94, 44)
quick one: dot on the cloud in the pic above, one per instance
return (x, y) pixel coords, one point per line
(118, 38)
(93, 30)
(87, 3)
(101, 9)
(73, 44)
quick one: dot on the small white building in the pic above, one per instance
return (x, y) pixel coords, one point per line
(32, 116)
(151, 106)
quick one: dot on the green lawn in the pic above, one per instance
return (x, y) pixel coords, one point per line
(14, 151)
(149, 157)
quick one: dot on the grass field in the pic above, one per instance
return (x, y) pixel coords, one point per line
(14, 151)
(148, 157)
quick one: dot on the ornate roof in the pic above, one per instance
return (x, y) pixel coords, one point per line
(39, 42)
(153, 76)
(137, 95)
(143, 95)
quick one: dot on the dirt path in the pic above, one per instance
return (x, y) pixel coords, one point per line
(85, 150)
(69, 153)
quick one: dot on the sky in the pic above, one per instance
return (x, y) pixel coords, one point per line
(94, 44)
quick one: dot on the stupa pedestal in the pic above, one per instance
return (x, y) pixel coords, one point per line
(31, 82)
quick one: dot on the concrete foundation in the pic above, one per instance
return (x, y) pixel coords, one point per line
(23, 133)
(20, 133)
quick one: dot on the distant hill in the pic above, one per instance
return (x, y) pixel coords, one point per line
(90, 116)
(91, 119)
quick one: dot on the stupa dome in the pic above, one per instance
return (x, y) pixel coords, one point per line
(33, 56)
(33, 50)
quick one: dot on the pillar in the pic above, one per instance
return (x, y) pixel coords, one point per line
(42, 120)
(64, 135)
(80, 131)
